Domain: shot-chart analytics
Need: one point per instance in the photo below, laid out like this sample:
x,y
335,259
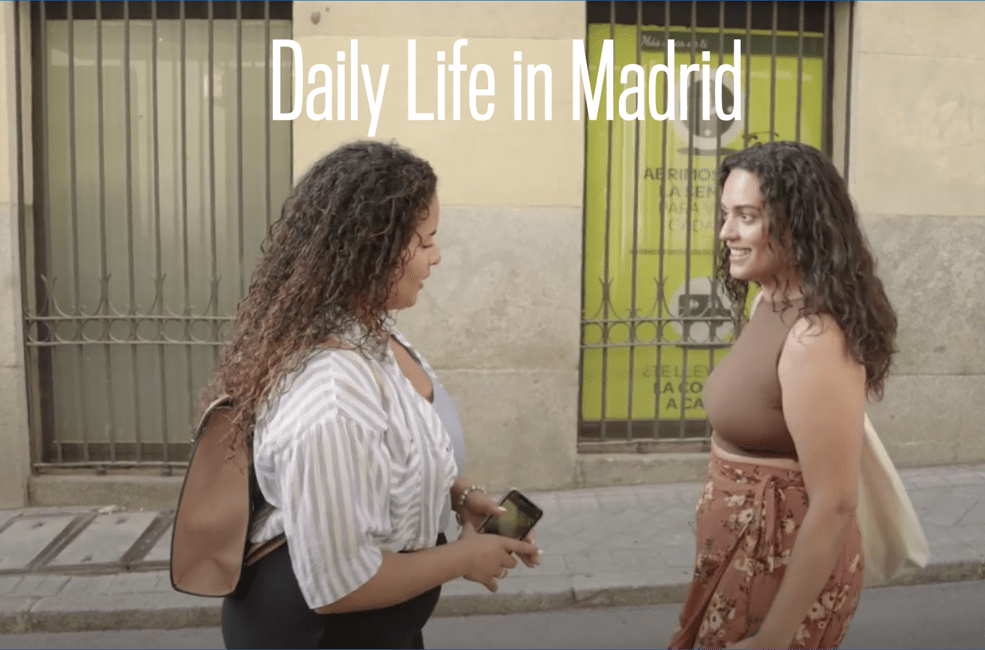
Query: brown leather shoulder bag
x,y
219,504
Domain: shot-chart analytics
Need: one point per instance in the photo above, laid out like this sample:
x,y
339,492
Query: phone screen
x,y
516,522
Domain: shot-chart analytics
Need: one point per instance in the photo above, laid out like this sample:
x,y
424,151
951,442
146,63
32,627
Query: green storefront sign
x,y
670,235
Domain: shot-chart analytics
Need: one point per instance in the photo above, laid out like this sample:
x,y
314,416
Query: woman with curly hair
x,y
779,558
354,440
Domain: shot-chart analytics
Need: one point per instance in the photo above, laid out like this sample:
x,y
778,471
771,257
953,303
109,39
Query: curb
x,y
173,618
34,615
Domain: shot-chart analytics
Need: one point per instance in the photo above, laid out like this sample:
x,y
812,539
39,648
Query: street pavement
x,y
78,569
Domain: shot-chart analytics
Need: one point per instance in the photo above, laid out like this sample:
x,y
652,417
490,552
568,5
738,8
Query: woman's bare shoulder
x,y
816,342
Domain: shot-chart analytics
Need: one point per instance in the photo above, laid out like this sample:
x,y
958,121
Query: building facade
x,y
572,318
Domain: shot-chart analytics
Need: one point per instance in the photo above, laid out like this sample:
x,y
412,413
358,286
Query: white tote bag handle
x,y
893,540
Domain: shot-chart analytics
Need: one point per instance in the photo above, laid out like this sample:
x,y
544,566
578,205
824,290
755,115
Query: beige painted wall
x,y
499,317
481,163
14,433
918,175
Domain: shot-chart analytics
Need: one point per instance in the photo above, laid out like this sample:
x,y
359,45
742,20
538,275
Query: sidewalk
x,y
74,569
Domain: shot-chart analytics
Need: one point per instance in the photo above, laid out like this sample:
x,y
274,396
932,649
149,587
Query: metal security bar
x,y
149,206
655,319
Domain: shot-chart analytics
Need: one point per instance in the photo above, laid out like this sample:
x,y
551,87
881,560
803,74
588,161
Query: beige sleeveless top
x,y
742,396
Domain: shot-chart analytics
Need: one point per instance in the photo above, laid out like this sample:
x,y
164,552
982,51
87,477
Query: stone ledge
x,y
129,491
610,470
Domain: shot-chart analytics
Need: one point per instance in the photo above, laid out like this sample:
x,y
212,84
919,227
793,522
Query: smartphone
x,y
518,520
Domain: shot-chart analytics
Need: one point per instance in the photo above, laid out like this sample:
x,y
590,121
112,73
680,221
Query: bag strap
x,y
755,303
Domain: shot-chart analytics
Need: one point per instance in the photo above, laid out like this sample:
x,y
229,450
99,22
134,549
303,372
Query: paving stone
x,y
689,500
617,502
651,560
569,545
678,513
602,560
579,564
679,538
81,585
969,493
629,518
573,523
596,534
963,535
622,541
679,556
977,532
964,478
929,481
40,585
7,515
130,602
912,472
631,579
954,553
163,581
9,583
14,613
655,529
661,500
27,536
129,583
627,560
510,585
106,539
951,509
975,515
936,533
579,501
533,584
926,498
626,494
161,551
551,565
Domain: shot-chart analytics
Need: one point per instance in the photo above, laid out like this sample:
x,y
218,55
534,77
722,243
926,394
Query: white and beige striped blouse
x,y
355,462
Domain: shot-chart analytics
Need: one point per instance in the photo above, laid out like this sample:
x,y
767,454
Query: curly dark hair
x,y
810,209
326,270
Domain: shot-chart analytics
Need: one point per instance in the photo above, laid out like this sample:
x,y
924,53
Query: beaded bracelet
x,y
465,494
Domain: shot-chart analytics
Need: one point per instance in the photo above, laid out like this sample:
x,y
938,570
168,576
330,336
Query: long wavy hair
x,y
326,271
813,225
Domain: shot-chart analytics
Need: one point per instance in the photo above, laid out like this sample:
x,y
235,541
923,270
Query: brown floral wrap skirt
x,y
747,521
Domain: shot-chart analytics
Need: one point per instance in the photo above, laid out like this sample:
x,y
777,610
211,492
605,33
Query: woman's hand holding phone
x,y
479,507
487,557
516,517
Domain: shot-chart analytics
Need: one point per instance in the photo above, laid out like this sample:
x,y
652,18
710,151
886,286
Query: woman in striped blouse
x,y
355,443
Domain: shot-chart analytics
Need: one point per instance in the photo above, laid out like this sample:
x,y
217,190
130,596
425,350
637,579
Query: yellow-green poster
x,y
650,269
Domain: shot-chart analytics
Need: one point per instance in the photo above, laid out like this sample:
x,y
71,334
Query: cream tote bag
x,y
892,537
893,541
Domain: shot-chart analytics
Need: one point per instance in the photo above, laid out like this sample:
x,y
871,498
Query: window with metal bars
x,y
655,320
156,172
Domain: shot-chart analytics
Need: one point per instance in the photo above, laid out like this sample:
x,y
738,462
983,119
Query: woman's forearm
x,y
458,488
403,576
812,559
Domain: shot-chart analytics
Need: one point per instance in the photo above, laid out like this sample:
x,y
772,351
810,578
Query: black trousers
x,y
268,610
